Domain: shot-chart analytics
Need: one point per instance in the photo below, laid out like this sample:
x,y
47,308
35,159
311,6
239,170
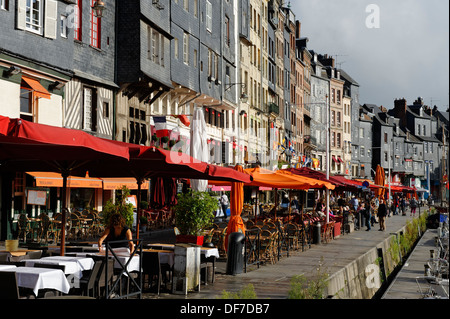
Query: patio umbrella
x,y
379,180
236,204
199,146
39,147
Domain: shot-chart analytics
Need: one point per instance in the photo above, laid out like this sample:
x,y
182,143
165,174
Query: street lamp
x,y
243,97
98,8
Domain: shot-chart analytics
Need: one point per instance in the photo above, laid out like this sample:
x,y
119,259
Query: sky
x,y
392,48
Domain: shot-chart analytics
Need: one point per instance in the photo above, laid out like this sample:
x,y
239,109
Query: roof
x,y
347,77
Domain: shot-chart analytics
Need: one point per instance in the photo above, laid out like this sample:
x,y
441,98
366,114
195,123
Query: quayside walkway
x,y
273,281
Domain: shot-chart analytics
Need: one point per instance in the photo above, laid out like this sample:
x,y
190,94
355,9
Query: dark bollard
x,y
317,231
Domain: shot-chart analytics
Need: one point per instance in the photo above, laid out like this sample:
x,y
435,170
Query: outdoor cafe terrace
x,y
58,254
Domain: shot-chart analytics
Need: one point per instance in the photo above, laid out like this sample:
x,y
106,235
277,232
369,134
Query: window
x,y
4,4
95,31
105,109
34,15
418,129
385,138
63,25
90,109
186,48
227,31
186,5
26,104
175,49
77,20
208,16
338,96
362,149
155,51
195,58
37,16
196,8
333,95
339,119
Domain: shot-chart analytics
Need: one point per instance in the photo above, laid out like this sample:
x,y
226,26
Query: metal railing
x,y
136,286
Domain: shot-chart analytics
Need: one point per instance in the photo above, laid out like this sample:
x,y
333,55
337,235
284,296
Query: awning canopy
x,y
36,87
50,179
117,183
279,180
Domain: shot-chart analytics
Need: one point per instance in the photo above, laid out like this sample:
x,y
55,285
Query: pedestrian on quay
x,y
413,205
365,211
224,202
382,212
403,206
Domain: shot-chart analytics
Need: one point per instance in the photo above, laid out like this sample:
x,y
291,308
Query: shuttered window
x,y
38,16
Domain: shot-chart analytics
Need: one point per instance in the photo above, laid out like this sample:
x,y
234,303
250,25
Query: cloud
x,y
406,57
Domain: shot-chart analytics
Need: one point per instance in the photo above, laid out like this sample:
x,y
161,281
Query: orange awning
x,y
37,88
50,179
279,179
117,183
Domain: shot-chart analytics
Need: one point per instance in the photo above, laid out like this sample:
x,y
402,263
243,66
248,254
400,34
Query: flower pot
x,y
190,239
11,244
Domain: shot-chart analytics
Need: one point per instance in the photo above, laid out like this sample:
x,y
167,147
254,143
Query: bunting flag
x,y
183,119
161,126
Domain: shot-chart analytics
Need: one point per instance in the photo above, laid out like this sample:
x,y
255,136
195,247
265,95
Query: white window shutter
x,y
21,11
50,22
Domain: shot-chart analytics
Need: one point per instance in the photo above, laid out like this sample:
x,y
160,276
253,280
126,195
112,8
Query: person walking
x,y
367,215
403,206
382,212
413,205
224,202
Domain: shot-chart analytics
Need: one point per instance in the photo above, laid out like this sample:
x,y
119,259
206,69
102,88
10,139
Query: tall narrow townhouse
x,y
292,86
276,122
351,90
203,71
298,64
36,61
143,71
309,144
90,95
277,97
252,75
320,88
336,114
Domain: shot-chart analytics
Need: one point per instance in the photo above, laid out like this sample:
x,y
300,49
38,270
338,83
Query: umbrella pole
x,y
64,174
276,204
290,206
138,222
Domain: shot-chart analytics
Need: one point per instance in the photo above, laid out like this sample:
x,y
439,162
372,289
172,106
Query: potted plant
x,y
119,206
194,213
144,223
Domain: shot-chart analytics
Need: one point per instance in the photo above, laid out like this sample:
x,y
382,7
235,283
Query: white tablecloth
x,y
71,266
209,252
6,267
41,278
85,263
122,256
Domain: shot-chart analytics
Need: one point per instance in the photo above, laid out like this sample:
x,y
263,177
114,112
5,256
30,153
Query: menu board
x,y
36,197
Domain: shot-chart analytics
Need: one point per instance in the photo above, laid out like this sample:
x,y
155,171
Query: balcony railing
x,y
274,108
308,139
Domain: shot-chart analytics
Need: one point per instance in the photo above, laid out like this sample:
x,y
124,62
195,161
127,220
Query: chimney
x,y
298,26
400,111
